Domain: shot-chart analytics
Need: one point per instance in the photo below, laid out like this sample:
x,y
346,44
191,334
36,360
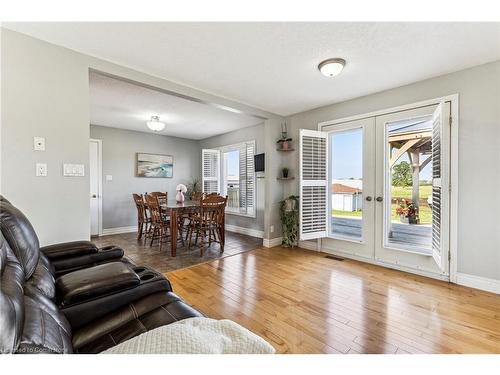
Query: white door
x,y
95,187
351,176
411,204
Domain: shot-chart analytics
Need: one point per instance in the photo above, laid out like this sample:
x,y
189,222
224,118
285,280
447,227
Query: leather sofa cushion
x,y
69,249
90,283
46,330
21,237
138,317
43,279
11,299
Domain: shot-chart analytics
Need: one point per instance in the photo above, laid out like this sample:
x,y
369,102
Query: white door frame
x,y
99,183
454,193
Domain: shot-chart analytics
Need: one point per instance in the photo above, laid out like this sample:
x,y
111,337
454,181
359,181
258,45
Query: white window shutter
x,y
210,164
250,178
313,184
242,150
439,187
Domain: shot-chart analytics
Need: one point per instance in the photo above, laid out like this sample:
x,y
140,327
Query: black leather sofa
x,y
74,297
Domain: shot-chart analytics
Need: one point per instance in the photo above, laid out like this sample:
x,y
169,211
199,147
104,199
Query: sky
x,y
346,150
233,163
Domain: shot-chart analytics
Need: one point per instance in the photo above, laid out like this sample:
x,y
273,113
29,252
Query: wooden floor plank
x,y
302,302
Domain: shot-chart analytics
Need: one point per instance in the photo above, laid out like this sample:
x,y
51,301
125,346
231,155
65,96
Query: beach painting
x,y
154,165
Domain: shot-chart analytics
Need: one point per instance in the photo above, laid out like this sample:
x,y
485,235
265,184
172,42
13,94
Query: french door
x,y
388,189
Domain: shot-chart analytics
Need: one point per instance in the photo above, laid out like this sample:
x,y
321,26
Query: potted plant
x,y
408,212
289,215
193,187
284,142
285,172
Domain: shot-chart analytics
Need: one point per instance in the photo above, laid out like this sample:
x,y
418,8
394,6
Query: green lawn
x,y
405,192
400,192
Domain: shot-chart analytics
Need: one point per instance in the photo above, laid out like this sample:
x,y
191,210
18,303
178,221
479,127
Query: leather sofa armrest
x,y
84,312
94,282
70,264
69,249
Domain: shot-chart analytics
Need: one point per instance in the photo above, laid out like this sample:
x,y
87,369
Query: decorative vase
x,y
179,197
285,145
285,173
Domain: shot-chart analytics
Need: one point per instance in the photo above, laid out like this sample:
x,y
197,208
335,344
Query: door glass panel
x,y
231,179
408,187
346,191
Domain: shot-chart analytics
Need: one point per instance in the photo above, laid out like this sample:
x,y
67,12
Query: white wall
x,y
119,148
479,153
45,93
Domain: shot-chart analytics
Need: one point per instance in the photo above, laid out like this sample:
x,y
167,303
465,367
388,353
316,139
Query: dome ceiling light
x,y
155,124
331,67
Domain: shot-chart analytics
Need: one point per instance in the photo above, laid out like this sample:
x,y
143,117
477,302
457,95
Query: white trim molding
x,y
246,231
309,245
99,183
273,242
119,230
478,282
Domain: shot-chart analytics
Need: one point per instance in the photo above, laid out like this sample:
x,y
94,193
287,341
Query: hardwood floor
x,y
302,302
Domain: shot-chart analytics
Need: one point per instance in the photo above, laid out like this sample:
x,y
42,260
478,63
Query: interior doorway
x,y
95,176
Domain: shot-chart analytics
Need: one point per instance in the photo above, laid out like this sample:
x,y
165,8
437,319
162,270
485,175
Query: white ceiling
x,y
118,104
272,66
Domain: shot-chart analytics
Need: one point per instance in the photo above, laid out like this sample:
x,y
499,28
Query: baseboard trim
x,y
118,230
388,265
246,231
309,245
478,282
272,242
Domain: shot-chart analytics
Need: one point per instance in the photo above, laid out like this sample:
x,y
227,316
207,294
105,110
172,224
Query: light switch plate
x,y
109,177
41,169
73,170
38,143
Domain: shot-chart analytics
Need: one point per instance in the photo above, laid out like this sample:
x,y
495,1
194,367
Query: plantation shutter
x,y
210,164
439,187
250,178
313,184
247,177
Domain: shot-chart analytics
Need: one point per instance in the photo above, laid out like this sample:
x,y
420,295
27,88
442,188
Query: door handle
x,y
380,199
369,198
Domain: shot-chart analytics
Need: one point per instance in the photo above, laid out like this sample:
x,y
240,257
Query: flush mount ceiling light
x,y
331,67
155,124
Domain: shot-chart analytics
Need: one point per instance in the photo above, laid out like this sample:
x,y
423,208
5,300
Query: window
x,y
229,170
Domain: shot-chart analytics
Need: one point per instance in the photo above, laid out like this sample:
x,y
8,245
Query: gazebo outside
x,y
410,151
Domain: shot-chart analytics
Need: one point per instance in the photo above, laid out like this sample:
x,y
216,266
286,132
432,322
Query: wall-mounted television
x,y
259,162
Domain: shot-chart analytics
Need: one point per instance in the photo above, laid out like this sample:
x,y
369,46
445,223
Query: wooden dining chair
x,y
189,214
162,197
209,222
159,225
197,195
143,220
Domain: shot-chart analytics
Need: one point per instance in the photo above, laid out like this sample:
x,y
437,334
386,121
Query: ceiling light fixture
x,y
331,67
155,124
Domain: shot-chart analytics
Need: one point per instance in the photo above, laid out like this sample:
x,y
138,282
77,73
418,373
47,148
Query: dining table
x,y
173,209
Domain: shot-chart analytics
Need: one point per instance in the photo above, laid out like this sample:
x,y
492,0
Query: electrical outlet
x,y
41,169
272,228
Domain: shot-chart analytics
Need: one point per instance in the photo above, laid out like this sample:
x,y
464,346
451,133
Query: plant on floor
x,y
289,215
